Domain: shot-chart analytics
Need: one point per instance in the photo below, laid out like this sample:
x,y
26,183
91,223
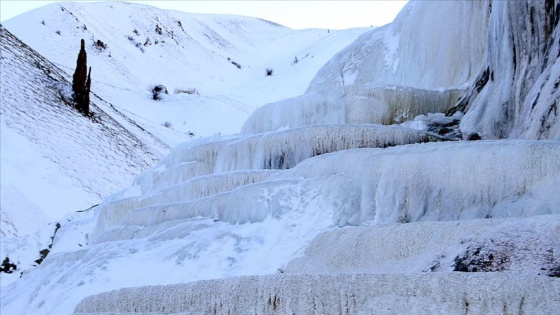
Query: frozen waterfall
x,y
430,45
517,92
355,104
407,183
323,203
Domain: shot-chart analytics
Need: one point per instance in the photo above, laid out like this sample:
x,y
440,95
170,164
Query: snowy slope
x,y
54,160
191,52
147,46
313,209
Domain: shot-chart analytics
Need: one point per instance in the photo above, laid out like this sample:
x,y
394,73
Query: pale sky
x,y
293,14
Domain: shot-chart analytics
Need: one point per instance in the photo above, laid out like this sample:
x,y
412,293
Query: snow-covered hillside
x,y
55,160
222,59
318,208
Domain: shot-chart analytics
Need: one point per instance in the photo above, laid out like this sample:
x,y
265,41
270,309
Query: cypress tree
x,y
79,84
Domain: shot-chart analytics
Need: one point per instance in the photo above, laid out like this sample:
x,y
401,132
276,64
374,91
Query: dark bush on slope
x,y
157,90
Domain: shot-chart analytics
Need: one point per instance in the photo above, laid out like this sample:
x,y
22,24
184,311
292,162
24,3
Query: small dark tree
x,y
81,81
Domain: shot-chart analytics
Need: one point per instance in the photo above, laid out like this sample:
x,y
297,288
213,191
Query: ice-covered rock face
x,y
517,91
419,49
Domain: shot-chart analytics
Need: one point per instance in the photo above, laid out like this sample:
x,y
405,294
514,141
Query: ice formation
x,y
388,75
355,104
469,206
436,181
429,45
337,294
517,92
311,185
513,184
188,160
528,245
285,149
407,183
178,188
